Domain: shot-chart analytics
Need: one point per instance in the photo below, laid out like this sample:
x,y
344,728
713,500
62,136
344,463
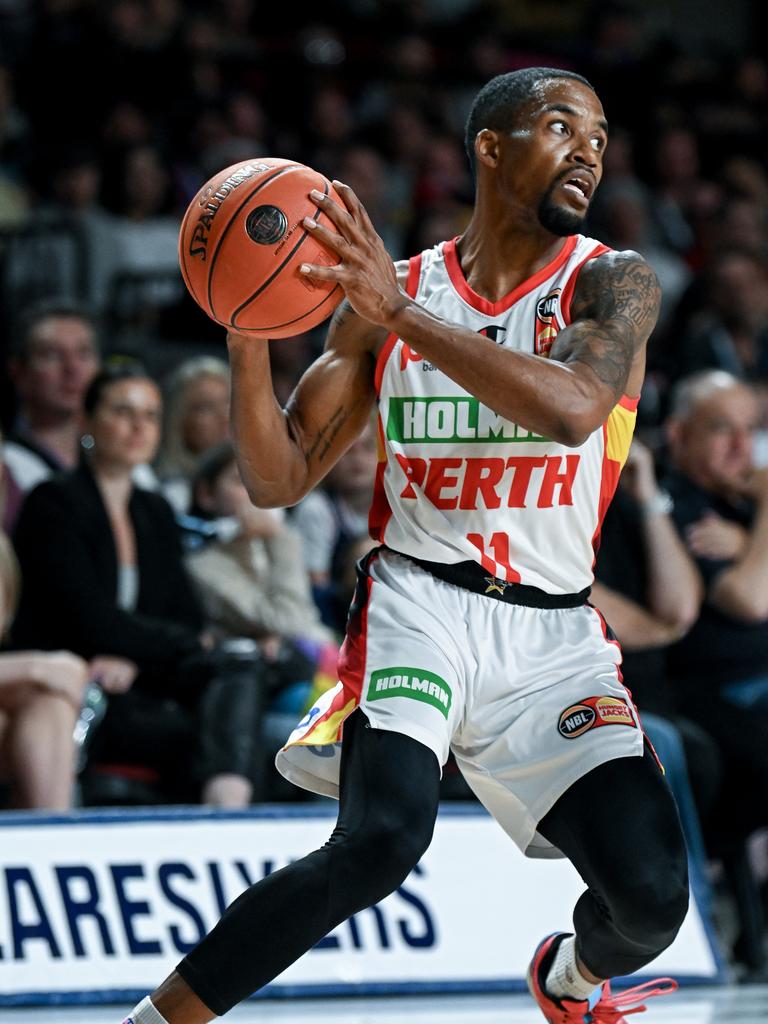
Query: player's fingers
x,y
348,197
341,218
353,204
336,242
320,273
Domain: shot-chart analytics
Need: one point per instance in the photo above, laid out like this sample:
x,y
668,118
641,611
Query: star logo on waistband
x,y
495,584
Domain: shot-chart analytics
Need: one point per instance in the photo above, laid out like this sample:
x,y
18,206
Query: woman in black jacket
x,y
104,577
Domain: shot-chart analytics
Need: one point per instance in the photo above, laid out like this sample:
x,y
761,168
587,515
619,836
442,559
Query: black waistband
x,y
472,576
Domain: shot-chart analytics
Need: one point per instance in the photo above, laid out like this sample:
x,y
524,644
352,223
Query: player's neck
x,y
495,261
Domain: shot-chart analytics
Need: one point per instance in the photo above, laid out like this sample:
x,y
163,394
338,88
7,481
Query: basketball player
x,y
507,366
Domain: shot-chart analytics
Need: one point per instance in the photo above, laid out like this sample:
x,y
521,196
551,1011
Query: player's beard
x,y
557,219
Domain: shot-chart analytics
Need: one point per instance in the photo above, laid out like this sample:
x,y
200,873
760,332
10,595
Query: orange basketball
x,y
241,244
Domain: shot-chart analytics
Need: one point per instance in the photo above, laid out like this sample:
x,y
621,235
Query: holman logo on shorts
x,y
446,420
592,713
415,683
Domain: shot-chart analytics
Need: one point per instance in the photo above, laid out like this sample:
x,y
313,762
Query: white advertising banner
x,y
102,905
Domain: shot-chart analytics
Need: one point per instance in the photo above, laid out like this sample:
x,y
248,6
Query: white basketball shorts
x,y
528,699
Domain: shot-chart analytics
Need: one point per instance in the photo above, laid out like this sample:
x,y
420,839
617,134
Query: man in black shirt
x,y
721,509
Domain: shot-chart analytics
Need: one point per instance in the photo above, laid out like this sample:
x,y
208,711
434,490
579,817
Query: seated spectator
x,y
330,517
720,504
103,574
40,698
649,590
252,582
721,665
197,418
54,359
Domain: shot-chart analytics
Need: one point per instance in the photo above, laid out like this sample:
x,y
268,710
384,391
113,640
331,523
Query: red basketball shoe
x,y
609,1009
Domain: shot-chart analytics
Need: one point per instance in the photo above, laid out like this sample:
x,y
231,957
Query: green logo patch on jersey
x,y
411,682
451,420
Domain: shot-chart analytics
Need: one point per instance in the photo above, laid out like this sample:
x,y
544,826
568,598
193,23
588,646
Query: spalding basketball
x,y
241,244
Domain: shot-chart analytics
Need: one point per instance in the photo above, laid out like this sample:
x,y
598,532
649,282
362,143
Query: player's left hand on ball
x,y
366,271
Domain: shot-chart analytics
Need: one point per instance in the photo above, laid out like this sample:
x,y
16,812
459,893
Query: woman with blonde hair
x,y
197,419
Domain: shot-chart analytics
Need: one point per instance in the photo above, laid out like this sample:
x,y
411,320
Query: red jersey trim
x,y
354,650
380,512
482,305
629,402
609,481
570,284
411,287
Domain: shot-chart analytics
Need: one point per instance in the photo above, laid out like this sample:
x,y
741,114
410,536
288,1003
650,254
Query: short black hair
x,y
46,309
116,370
498,103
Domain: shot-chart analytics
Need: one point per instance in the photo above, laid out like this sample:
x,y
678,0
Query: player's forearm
x,y
271,463
560,401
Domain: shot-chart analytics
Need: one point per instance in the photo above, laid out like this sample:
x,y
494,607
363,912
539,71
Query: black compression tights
x,y
389,793
619,827
618,824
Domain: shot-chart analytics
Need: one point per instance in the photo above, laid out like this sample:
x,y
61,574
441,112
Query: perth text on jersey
x,y
415,683
451,420
518,481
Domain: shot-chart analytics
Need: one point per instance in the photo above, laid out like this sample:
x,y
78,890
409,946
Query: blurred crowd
x,y
145,605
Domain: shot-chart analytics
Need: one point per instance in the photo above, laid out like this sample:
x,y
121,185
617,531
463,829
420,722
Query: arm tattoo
x,y
326,434
614,310
343,313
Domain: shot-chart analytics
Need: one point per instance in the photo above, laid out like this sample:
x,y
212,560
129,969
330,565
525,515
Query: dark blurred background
x,y
112,114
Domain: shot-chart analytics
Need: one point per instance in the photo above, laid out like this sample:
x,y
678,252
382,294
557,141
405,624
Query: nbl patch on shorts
x,y
593,713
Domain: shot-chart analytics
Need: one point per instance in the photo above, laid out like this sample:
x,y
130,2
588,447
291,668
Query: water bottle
x,y
92,711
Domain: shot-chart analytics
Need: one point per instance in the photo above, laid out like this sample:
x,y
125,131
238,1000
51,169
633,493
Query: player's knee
x,y
651,909
382,852
395,845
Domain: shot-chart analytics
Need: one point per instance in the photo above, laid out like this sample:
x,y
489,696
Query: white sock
x,y
145,1013
564,980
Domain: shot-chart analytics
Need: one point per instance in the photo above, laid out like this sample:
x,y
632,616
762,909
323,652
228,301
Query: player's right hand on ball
x,y
366,271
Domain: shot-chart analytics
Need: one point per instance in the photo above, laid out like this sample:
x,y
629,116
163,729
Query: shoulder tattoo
x,y
614,310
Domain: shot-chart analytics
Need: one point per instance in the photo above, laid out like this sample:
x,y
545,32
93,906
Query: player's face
x,y
553,161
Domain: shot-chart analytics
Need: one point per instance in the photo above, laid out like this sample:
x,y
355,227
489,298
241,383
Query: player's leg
x,y
389,797
619,826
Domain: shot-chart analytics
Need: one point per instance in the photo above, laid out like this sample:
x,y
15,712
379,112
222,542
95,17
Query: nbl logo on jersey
x,y
546,327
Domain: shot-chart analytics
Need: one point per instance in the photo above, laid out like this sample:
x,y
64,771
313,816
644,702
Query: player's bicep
x,y
614,309
333,400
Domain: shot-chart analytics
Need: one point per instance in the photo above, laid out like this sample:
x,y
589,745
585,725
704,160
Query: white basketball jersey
x,y
457,482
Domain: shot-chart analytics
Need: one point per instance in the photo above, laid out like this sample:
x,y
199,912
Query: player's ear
x,y
487,147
